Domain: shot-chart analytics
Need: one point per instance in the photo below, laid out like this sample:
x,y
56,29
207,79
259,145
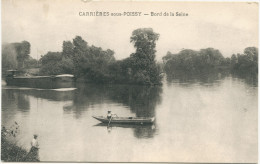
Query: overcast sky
x,y
229,27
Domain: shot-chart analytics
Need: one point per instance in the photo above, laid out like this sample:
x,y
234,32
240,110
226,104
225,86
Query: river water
x,y
196,121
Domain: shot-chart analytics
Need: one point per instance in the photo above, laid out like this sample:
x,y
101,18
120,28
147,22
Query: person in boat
x,y
109,115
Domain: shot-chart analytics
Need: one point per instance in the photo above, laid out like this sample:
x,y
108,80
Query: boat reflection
x,y
63,94
140,131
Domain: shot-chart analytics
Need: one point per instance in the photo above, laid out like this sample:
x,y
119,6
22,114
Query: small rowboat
x,y
126,120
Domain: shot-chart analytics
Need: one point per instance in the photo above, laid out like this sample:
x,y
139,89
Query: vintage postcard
x,y
129,81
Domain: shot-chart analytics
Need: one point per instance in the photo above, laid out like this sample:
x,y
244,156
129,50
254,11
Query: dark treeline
x,y
93,64
209,60
245,64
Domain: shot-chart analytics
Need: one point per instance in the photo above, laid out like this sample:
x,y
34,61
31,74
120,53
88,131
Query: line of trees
x,y
245,64
78,58
206,60
93,64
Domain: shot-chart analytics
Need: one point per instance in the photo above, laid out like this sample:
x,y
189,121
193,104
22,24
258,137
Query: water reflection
x,y
140,131
23,102
250,80
15,100
209,78
195,115
52,95
142,100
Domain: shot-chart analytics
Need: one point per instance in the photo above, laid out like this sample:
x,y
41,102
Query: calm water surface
x,y
196,121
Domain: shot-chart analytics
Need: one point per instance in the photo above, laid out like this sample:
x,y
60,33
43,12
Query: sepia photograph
x,y
129,81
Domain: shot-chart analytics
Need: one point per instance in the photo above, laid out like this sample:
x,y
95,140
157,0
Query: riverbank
x,y
11,152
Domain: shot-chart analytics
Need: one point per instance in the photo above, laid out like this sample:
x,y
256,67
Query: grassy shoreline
x,y
11,152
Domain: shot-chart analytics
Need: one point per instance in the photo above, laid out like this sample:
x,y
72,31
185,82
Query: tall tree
x,y
144,40
143,66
